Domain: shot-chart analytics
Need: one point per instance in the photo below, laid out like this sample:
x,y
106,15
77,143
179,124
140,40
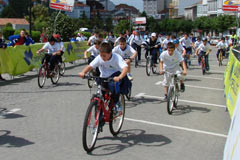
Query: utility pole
x,y
30,17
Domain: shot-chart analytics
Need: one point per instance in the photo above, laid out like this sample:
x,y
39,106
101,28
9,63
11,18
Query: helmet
x,y
153,35
176,41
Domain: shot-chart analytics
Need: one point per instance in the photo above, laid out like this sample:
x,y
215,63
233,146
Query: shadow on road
x,y
5,115
129,138
184,109
9,141
134,102
191,80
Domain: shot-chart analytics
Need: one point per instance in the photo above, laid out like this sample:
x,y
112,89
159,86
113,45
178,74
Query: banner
x,y
21,59
64,5
232,146
231,5
232,82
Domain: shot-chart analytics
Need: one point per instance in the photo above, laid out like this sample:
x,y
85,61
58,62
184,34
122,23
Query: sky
x,y
136,3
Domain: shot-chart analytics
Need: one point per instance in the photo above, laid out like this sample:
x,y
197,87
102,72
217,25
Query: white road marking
x,y
217,89
204,77
181,100
3,113
177,127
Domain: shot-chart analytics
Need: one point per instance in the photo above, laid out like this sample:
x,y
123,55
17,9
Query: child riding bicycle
x,y
54,50
110,65
169,62
222,46
204,50
126,52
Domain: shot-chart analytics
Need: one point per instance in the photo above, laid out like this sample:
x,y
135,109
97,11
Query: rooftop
x,y
4,21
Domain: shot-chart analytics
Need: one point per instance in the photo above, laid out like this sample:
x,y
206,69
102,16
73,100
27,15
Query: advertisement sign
x,y
140,20
64,5
231,5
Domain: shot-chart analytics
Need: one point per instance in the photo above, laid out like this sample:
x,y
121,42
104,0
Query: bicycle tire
x,y
56,75
136,61
170,100
220,58
62,68
128,96
203,66
90,81
42,72
148,66
114,117
154,68
92,107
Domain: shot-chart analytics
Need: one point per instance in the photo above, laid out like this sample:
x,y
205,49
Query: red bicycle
x,y
44,72
101,110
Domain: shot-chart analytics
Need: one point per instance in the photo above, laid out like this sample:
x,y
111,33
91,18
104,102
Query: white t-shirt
x,y
165,42
204,48
107,68
111,38
222,45
52,48
93,50
135,39
186,42
92,39
180,49
126,53
171,63
80,39
197,44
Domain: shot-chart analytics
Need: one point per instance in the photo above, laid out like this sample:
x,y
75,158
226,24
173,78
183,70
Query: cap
x,y
153,35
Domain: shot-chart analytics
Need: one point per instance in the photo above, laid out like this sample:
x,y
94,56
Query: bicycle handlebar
x,y
100,78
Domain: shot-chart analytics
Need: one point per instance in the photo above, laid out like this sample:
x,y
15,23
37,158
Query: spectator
x,y
43,37
80,37
111,38
21,39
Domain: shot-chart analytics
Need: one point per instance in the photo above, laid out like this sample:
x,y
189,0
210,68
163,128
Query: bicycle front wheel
x,y
117,117
55,75
90,127
148,66
170,100
62,69
203,66
42,77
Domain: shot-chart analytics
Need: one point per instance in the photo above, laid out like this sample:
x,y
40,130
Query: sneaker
x,y
182,87
165,98
129,76
118,107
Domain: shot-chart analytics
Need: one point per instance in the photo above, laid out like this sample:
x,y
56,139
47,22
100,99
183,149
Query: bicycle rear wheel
x,y
203,66
90,127
136,61
117,118
148,66
128,96
55,75
42,76
220,58
62,68
170,100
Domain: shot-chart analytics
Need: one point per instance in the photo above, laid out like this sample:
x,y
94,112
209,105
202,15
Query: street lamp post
x,y
30,17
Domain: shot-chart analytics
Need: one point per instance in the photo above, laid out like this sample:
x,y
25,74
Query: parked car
x,y
214,40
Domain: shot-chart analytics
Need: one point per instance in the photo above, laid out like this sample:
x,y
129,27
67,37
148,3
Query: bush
x,y
36,36
86,34
7,31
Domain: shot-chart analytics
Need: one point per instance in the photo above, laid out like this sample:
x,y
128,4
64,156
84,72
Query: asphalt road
x,y
46,124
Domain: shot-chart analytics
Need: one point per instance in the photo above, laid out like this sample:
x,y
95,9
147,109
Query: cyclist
x,y
204,50
179,47
222,46
117,40
187,44
110,65
127,53
92,39
54,50
94,50
197,44
155,45
135,40
165,42
169,61
58,40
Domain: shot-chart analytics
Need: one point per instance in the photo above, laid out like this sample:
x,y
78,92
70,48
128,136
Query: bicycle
x,y
150,65
203,65
61,68
173,92
101,110
44,72
128,96
220,57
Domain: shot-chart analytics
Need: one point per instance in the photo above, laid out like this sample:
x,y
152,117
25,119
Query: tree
x,y
108,24
16,9
121,27
224,22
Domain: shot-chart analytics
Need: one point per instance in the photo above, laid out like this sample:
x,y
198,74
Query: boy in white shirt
x,y
222,46
110,65
165,42
169,61
204,50
93,50
54,50
127,53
